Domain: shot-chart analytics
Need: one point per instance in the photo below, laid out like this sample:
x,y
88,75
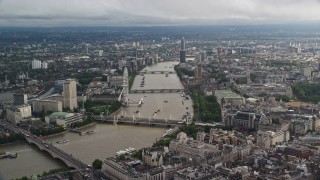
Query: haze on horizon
x,y
156,12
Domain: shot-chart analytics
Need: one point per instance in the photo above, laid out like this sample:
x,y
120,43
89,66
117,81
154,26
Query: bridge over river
x,y
55,152
157,72
140,121
156,90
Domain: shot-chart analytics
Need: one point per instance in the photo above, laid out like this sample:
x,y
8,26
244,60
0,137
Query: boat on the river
x,y
62,141
91,132
8,155
125,152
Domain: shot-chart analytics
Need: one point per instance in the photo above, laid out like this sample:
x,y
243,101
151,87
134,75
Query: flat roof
x,y
227,94
63,114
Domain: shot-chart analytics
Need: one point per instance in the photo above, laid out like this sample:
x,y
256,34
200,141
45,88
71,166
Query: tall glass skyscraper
x,y
183,51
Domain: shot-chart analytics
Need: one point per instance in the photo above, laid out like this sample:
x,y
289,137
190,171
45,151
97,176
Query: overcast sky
x,y
156,12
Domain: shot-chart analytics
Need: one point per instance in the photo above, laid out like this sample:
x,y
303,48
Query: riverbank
x,y
13,143
86,126
53,135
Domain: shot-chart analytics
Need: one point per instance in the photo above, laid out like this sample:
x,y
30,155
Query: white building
x,y
44,105
153,157
190,148
98,53
44,65
306,71
155,58
63,119
36,64
16,113
266,139
68,98
70,94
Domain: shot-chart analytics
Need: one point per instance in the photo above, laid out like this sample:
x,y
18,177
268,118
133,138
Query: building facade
x,y
64,119
131,170
43,105
152,157
245,119
266,139
20,99
70,94
183,51
191,148
16,113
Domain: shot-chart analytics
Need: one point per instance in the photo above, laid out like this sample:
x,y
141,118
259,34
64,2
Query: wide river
x,y
108,138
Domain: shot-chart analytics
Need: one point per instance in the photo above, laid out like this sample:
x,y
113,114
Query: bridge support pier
x,y
115,120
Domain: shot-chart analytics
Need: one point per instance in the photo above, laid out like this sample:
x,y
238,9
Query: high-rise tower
x,y
125,85
70,94
183,51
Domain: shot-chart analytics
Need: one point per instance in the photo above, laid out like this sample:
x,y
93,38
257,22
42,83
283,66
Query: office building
x,y
20,99
245,119
16,113
36,64
183,51
191,148
44,65
64,119
131,169
45,105
70,94
266,139
153,156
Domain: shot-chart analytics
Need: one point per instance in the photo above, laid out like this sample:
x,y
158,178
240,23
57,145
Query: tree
x,y
137,154
121,157
97,164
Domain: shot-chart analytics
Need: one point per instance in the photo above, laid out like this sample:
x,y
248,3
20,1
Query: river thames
x,y
108,138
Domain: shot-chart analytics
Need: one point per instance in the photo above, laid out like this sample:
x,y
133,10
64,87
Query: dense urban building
x,y
64,119
183,51
17,113
43,105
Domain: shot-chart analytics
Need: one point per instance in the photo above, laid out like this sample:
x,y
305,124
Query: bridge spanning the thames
x,y
156,91
157,72
55,152
117,119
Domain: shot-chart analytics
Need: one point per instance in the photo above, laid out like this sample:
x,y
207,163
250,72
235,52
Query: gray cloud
x,y
155,12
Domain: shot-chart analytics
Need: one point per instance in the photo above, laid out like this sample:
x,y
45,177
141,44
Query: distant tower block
x,y
70,94
183,51
248,76
231,79
87,49
125,85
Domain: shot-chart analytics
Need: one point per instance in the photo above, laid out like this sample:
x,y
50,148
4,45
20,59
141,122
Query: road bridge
x,y
157,72
55,152
139,121
156,90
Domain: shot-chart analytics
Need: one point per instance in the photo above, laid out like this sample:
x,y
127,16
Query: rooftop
x,y
62,114
227,94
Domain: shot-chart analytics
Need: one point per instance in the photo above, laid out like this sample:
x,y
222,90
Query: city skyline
x,y
146,12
